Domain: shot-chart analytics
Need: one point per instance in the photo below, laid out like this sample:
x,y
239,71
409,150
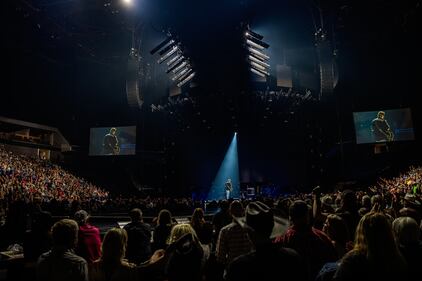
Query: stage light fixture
x,y
127,2
186,80
179,75
168,54
178,64
175,60
256,58
258,61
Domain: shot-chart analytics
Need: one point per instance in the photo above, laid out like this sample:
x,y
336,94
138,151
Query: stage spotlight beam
x,y
159,46
229,168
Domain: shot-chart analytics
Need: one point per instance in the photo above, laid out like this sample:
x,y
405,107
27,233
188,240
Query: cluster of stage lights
x,y
257,59
178,64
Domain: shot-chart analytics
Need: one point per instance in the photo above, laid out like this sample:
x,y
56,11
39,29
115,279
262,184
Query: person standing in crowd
x,y
61,263
89,240
139,238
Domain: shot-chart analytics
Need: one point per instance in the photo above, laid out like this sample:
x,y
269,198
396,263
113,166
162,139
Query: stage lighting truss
x,y
257,59
178,65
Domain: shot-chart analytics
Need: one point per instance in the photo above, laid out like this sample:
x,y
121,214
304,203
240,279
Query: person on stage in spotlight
x,y
111,143
228,187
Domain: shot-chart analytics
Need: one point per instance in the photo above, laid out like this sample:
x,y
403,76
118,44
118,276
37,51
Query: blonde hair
x,y
114,246
179,230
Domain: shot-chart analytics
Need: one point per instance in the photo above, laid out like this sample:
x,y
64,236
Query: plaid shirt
x,y
233,241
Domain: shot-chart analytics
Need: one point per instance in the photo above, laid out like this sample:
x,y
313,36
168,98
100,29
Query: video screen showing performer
x,y
383,126
381,129
113,141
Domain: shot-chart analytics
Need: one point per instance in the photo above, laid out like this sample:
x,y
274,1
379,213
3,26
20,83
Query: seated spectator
x,y
61,263
313,245
407,233
89,241
111,266
163,229
375,255
268,261
185,253
139,238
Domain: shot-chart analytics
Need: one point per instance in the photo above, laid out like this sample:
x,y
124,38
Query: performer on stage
x,y
228,187
380,128
111,143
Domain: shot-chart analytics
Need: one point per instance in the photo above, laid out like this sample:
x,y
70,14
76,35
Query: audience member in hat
x,y
313,245
233,239
89,240
268,261
375,255
407,234
139,238
61,263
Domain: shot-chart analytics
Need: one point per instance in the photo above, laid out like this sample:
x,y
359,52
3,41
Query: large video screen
x,y
383,126
112,141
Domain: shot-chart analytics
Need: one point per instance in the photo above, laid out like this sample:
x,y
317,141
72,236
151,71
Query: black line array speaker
x,y
326,67
134,96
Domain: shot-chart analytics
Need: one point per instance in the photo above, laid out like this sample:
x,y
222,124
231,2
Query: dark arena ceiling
x,y
65,65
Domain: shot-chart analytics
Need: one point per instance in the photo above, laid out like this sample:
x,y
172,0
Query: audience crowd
x,y
372,233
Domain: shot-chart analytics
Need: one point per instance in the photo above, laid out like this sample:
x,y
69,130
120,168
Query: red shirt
x,y
89,243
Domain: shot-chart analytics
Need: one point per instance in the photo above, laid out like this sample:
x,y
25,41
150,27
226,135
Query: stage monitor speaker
x,y
133,93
